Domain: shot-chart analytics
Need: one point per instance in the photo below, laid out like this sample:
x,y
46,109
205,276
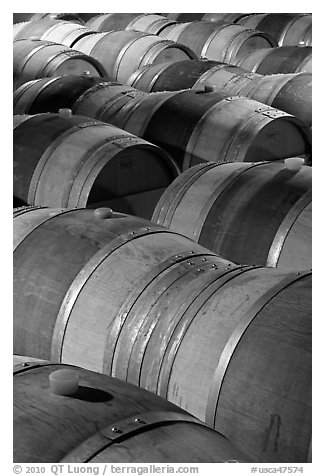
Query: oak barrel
x,y
21,17
66,33
75,161
220,42
215,17
58,16
111,21
289,29
158,26
289,92
106,420
285,59
52,94
129,21
207,203
38,59
202,126
104,100
123,52
118,295
173,76
58,31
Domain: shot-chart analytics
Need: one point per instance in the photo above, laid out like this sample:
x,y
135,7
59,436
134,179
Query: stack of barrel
x,y
162,237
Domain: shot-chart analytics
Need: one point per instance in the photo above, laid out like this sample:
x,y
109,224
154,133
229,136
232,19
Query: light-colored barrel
x,y
146,21
38,59
285,59
58,31
123,52
104,100
220,42
111,21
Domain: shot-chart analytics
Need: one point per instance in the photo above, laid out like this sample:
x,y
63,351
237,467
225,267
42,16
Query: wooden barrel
x,y
33,29
111,21
207,203
52,94
173,31
215,17
66,33
201,126
123,52
17,202
289,92
159,25
285,59
75,161
128,21
173,76
147,21
38,59
104,100
104,421
21,17
79,236
223,17
17,27
231,344
74,17
289,29
86,16
19,119
220,42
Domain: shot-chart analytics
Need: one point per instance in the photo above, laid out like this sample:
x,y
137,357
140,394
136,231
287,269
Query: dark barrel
x,y
111,21
173,76
215,17
52,94
249,213
105,420
63,160
289,29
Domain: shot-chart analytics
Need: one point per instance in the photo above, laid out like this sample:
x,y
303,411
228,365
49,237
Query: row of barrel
x,y
125,297
211,330
288,29
288,92
122,52
71,161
